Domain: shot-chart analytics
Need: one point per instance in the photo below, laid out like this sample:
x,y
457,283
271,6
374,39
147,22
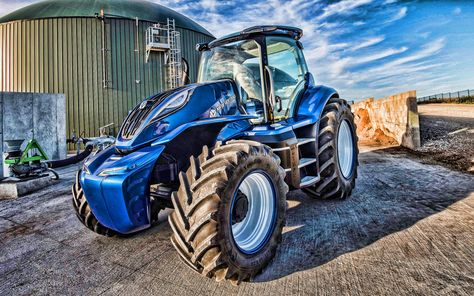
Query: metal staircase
x,y
165,38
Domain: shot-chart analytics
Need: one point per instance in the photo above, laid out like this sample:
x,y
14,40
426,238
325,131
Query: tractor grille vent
x,y
138,114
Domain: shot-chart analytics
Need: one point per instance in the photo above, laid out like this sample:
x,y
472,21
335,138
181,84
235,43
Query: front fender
x,y
120,201
231,125
313,101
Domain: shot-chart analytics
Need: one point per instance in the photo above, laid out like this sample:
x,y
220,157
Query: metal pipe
x,y
104,57
137,51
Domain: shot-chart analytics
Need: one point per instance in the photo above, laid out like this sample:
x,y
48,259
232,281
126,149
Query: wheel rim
x,y
253,232
345,149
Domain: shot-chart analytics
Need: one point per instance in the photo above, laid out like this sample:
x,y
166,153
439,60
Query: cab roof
x,y
276,30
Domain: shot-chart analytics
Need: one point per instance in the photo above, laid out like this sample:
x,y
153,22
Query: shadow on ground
x,y
390,196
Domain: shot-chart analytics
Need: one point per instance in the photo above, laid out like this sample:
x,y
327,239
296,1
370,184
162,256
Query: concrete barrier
x,y
390,120
34,115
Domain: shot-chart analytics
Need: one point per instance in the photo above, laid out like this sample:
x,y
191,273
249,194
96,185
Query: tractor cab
x,y
267,65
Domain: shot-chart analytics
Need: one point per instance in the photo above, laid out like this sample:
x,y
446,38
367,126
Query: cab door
x,y
286,64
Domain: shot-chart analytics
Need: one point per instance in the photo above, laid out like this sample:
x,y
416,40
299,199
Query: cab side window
x,y
288,69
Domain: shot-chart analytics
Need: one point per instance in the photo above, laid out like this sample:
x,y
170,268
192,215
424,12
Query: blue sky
x,y
364,48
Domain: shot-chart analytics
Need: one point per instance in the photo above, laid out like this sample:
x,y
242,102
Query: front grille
x,y
136,117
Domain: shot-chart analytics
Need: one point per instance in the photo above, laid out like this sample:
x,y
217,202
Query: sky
x,y
363,48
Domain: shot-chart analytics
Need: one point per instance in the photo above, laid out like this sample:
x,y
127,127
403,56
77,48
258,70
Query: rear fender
x,y
312,102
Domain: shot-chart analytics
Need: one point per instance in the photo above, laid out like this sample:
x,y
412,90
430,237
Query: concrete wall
x,y
390,120
34,115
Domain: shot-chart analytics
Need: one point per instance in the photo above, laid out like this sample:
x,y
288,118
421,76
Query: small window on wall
x,y
288,69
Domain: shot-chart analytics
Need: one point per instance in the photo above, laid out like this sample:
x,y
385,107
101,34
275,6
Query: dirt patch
x,y
447,135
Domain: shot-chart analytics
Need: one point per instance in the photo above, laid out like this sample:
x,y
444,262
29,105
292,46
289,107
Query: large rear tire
x,y
229,211
83,211
337,152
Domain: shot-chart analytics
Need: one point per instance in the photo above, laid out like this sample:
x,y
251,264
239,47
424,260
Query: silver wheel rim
x,y
345,149
253,231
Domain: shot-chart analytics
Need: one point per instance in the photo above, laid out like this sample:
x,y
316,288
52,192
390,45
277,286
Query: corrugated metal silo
x,y
56,46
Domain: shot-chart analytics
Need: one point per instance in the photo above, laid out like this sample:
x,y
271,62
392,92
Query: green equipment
x,y
26,163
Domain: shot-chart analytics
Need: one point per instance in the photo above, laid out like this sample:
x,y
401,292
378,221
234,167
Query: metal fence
x,y
462,96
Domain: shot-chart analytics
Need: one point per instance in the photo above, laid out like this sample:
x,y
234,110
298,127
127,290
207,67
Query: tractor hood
x,y
161,113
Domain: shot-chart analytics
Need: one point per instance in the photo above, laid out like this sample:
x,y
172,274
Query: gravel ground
x,y
408,229
447,134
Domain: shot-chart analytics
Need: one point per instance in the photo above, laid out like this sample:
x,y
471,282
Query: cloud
x,y
402,12
379,55
209,4
349,44
8,6
404,65
428,50
368,42
343,7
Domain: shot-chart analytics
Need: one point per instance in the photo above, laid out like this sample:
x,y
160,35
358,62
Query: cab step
x,y
303,162
309,180
301,141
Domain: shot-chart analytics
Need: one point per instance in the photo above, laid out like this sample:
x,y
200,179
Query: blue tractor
x,y
223,153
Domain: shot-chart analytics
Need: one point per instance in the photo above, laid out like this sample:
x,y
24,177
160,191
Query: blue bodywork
x,y
116,181
166,129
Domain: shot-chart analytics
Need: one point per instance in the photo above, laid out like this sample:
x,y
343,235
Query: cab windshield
x,y
241,62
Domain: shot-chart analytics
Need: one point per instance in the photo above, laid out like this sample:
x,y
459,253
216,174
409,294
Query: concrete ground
x,y
447,134
408,229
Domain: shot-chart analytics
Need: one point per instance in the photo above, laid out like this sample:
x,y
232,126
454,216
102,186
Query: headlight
x,y
173,103
116,171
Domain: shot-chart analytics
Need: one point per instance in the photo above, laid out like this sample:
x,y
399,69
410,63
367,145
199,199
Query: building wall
x,y
64,55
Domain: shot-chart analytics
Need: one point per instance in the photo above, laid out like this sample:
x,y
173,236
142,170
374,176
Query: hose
x,y
71,160
55,175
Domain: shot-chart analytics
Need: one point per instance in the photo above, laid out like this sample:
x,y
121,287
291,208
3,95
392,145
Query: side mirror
x,y
185,67
202,46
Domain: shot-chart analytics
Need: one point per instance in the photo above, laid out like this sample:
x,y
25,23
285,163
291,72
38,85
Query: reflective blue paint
x,y
205,100
227,121
313,101
121,201
234,130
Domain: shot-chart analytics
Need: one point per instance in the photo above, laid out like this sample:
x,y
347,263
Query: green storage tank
x,y
99,63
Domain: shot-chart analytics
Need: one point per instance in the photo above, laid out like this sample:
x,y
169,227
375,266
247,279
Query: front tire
x,y
229,211
337,152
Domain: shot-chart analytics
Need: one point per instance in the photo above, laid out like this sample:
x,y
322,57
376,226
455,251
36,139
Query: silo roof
x,y
144,10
